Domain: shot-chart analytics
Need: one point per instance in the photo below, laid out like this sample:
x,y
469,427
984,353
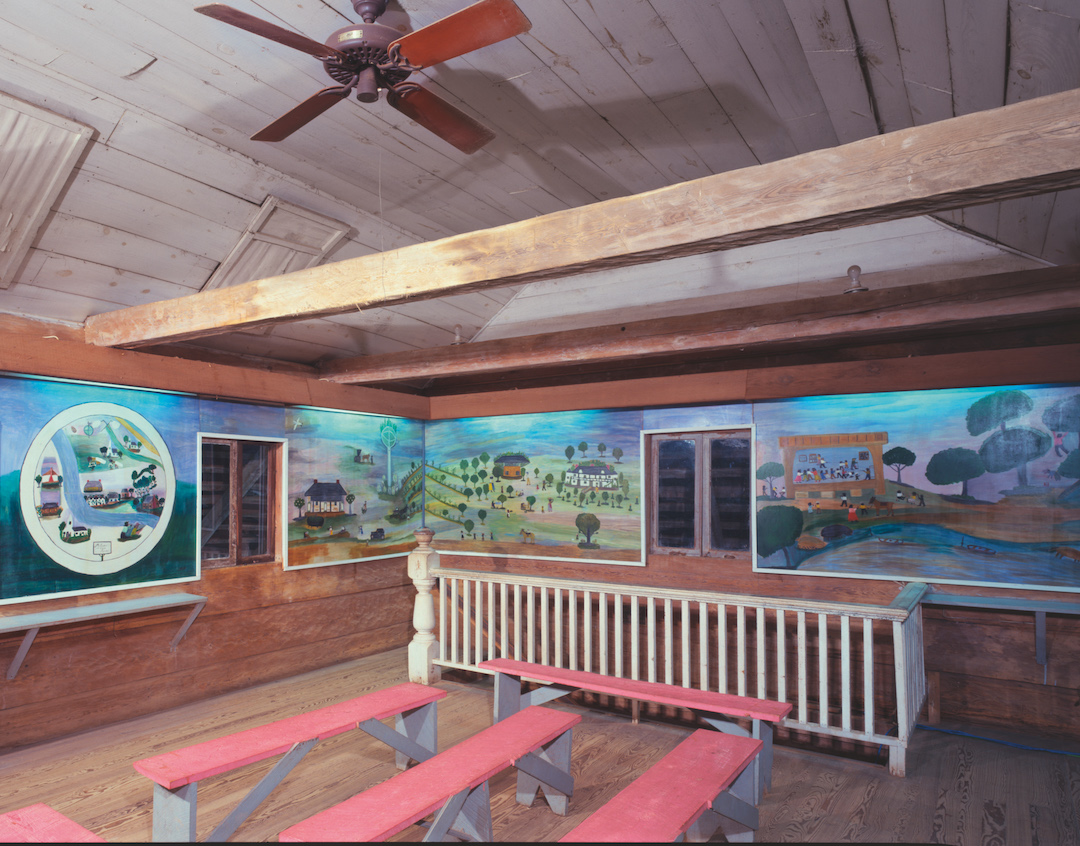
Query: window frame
x,y
703,437
276,507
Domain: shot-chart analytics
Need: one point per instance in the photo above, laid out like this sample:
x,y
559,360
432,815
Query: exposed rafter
x,y
1018,150
988,303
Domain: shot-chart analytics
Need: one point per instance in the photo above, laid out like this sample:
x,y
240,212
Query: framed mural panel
x,y
355,486
975,486
564,486
98,487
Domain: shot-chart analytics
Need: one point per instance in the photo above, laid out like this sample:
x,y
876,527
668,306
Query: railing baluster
x,y
602,655
532,625
479,625
823,670
845,672
617,626
668,656
741,648
492,620
466,621
442,619
557,598
545,629
504,621
517,622
703,645
759,616
804,681
781,657
868,675
684,621
635,633
721,648
586,612
455,656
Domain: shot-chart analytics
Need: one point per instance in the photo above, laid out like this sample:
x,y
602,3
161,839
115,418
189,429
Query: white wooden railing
x,y
827,666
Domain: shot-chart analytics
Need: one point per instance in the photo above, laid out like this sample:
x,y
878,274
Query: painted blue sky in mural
x,y
28,403
925,422
541,433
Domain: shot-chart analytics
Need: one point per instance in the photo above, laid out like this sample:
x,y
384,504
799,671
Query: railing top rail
x,y
899,611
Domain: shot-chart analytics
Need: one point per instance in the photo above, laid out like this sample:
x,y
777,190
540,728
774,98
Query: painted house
x,y
326,497
715,242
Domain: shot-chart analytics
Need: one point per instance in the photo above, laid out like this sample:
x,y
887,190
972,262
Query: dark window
x,y
701,491
240,502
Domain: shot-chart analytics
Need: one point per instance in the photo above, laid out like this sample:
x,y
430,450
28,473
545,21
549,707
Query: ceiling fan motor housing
x,y
365,49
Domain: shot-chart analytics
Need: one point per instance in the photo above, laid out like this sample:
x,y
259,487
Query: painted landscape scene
x,y
355,486
971,486
564,485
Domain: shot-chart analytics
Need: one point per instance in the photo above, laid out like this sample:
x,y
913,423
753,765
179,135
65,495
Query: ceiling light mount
x,y
856,285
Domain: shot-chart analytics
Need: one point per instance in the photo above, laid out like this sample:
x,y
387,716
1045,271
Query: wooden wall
x,y
981,664
262,623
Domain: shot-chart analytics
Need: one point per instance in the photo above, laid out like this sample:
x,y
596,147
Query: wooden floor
x,y
959,790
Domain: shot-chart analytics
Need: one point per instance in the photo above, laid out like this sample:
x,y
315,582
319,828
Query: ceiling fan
x,y
370,57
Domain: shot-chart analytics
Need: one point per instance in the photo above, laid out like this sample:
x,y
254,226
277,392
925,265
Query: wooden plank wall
x,y
262,623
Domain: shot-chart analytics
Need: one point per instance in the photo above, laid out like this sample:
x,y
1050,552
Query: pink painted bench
x,y
717,710
176,775
454,785
41,824
703,784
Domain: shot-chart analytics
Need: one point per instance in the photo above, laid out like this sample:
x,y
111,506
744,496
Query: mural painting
x,y
563,486
355,486
970,486
94,497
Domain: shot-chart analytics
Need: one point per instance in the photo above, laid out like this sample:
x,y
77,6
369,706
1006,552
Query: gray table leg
x,y
174,814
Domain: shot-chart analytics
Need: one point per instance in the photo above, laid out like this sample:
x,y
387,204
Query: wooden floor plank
x,y
959,789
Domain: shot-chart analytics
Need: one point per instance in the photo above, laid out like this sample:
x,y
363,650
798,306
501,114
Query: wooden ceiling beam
x,y
1018,150
998,301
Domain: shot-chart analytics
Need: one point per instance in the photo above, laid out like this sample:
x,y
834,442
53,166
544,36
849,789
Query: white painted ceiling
x,y
602,98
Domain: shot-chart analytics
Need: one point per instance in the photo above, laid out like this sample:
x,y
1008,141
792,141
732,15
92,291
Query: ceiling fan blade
x,y
475,26
299,115
436,115
234,17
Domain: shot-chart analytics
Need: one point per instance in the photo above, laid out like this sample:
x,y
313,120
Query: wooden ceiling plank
x,y
881,62
832,54
1002,299
1018,150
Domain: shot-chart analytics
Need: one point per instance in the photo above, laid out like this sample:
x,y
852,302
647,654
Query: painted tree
x,y
1008,448
482,514
898,458
468,493
1063,415
1013,449
768,471
954,466
461,506
601,448
617,454
588,524
778,528
350,498
996,409
582,448
569,453
469,526
531,500
484,458
298,504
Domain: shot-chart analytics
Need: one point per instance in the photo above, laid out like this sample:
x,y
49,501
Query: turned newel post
x,y
424,648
